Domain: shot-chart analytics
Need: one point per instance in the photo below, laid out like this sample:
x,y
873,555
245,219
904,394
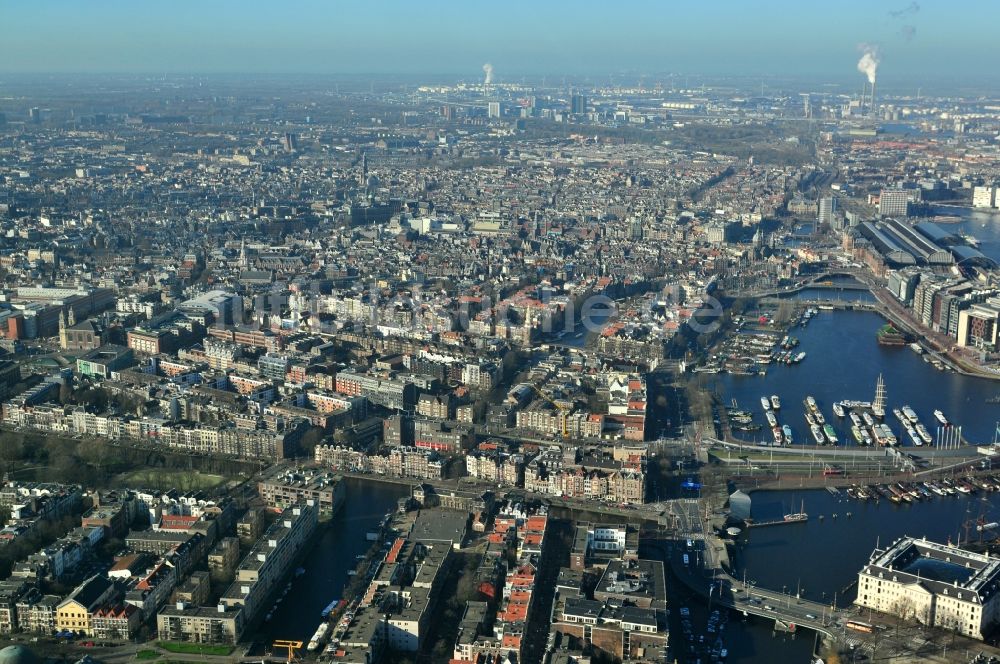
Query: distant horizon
x,y
978,85
312,37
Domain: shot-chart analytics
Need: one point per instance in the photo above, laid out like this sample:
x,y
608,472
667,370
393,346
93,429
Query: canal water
x,y
747,638
332,556
843,361
822,556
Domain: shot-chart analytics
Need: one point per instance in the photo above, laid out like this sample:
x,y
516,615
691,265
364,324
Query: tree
x,y
65,394
94,452
904,609
310,439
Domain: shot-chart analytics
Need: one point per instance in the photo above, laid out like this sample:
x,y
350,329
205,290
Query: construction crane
x,y
292,646
563,411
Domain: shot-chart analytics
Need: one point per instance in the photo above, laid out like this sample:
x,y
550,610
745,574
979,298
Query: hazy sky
x,y
518,37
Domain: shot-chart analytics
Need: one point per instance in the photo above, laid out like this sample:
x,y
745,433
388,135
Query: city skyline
x,y
565,333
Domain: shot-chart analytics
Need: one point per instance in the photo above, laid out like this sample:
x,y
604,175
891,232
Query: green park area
x,y
194,648
162,478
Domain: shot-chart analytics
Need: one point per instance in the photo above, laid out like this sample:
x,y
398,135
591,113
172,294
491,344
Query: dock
x,y
774,522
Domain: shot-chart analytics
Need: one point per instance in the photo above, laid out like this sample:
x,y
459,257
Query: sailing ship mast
x,y
878,405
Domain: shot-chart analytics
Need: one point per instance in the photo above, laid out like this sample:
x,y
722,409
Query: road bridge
x,y
704,577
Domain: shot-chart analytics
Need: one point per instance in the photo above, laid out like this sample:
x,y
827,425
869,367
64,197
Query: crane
x,y
563,411
292,646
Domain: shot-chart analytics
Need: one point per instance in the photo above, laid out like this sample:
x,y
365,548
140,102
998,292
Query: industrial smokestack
x,y
874,116
488,70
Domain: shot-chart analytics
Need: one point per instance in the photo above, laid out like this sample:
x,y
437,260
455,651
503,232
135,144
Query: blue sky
x,y
780,37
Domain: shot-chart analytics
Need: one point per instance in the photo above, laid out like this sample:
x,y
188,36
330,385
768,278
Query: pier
x,y
773,522
840,305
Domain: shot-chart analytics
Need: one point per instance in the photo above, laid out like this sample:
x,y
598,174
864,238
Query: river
x,y
327,563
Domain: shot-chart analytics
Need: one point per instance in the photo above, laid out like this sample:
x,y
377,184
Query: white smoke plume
x,y
868,64
488,70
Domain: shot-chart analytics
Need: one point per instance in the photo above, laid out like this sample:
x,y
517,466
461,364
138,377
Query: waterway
x,y
749,639
823,556
598,316
833,294
984,226
843,361
332,556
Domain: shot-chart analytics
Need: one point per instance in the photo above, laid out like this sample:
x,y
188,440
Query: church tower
x,y
63,330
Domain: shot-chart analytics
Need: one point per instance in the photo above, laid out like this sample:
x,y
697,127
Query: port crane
x,y
291,646
563,411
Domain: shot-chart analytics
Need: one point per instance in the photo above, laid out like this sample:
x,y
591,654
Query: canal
x,y
333,555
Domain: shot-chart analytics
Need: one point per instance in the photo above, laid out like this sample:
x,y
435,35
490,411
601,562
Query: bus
x,y
859,626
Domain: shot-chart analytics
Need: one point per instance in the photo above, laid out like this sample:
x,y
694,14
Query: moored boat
x,y
817,433
934,488
830,434
924,434
318,636
941,418
838,409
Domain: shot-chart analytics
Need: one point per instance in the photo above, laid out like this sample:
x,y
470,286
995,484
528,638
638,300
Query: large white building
x,y
935,584
226,308
983,197
827,210
895,202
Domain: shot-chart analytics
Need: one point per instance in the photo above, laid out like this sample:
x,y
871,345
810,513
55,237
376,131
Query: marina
x,y
960,399
845,526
